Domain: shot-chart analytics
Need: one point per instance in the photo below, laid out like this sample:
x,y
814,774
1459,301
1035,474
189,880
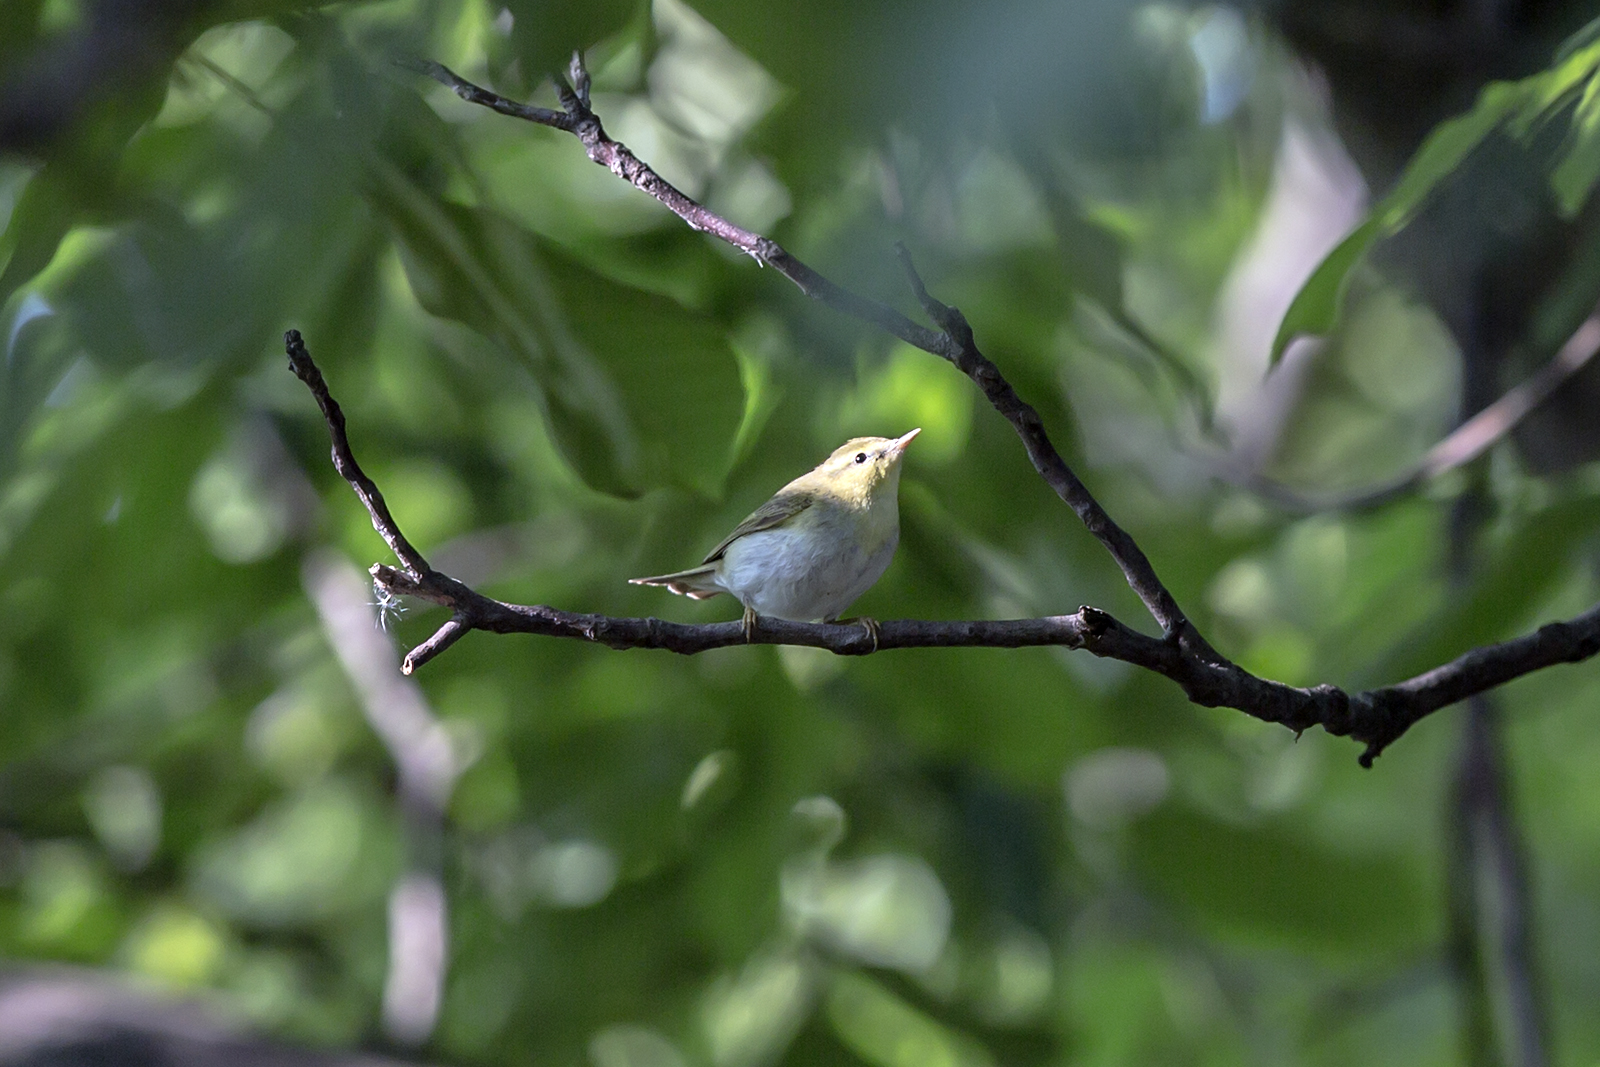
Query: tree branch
x,y
953,340
345,462
1466,442
1376,717
1490,906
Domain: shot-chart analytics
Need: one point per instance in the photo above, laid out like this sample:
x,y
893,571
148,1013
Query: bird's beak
x,y
898,446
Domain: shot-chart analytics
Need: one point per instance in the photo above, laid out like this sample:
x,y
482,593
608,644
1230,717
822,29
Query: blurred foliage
x,y
1568,92
756,855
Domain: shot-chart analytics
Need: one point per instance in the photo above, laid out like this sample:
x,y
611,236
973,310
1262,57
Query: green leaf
x,y
1316,306
1574,176
676,371
44,212
1518,107
885,1030
1589,34
1443,150
1549,90
639,391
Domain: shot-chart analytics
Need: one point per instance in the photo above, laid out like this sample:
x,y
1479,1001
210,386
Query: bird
x,y
818,544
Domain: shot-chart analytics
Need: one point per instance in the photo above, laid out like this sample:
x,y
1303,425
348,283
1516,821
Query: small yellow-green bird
x,y
820,542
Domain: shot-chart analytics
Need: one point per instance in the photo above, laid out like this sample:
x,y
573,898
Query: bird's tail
x,y
696,582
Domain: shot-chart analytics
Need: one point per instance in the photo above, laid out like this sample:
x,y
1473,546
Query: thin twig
x,y
344,460
1474,437
1047,461
1465,443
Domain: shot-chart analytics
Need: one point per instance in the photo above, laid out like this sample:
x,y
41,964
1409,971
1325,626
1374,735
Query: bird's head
x,y
861,467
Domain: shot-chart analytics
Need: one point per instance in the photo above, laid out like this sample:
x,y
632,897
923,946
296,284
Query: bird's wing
x,y
775,512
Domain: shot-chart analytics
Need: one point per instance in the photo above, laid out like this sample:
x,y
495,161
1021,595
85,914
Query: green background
x,y
997,856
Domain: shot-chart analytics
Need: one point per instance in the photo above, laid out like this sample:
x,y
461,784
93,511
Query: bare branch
x,y
442,638
580,78
482,97
1376,717
344,461
1474,437
1053,469
1466,442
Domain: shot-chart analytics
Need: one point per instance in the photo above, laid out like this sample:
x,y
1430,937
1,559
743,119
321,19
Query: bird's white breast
x,y
804,575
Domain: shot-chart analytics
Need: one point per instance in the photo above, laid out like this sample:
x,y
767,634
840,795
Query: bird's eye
x,y
861,457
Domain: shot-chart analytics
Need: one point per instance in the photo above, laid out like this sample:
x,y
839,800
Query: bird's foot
x,y
868,624
749,624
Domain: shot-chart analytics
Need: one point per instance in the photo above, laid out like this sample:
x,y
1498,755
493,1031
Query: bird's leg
x,y
749,623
